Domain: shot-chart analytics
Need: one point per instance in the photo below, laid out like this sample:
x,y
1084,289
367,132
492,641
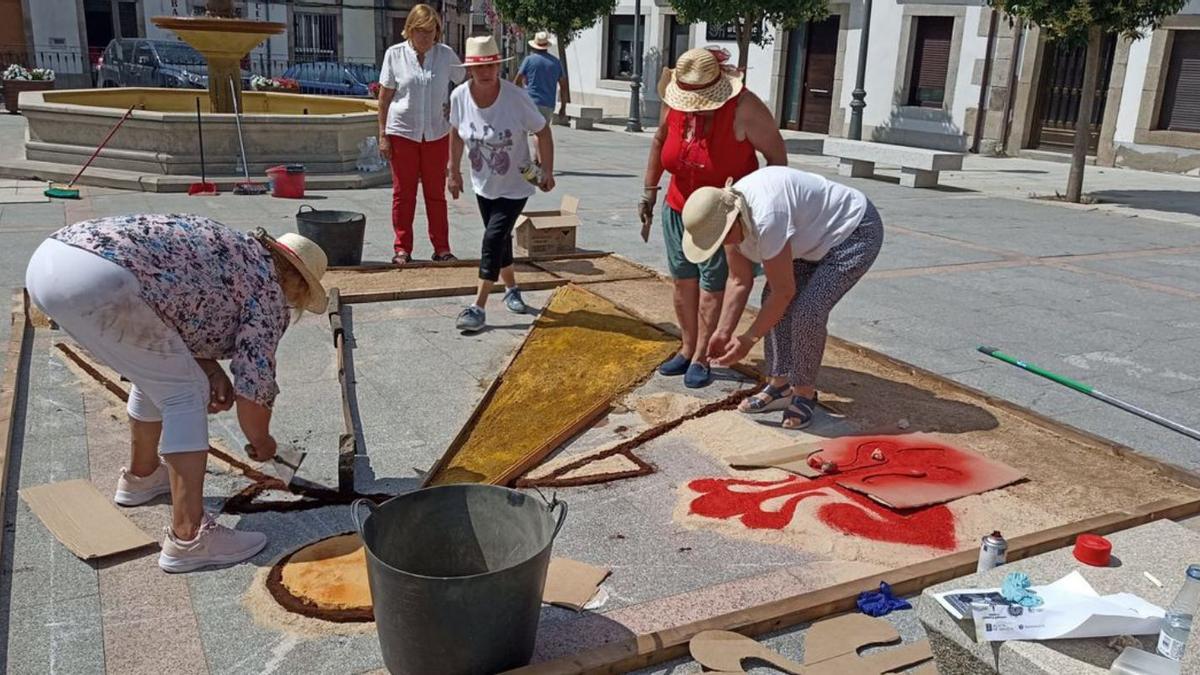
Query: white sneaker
x,y
137,490
214,544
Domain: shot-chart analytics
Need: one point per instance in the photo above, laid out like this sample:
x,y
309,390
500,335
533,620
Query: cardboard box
x,y
543,233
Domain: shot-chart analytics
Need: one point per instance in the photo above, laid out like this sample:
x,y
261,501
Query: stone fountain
x,y
224,40
157,149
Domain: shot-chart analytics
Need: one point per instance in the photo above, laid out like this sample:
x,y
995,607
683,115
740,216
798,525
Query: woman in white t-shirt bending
x,y
815,239
492,118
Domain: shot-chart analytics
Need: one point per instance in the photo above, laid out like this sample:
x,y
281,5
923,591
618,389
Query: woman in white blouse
x,y
414,106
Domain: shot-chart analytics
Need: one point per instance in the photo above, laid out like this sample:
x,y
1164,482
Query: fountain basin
x,y
321,132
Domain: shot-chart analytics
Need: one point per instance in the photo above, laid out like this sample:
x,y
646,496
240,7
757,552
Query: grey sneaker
x,y
471,320
513,301
214,544
137,490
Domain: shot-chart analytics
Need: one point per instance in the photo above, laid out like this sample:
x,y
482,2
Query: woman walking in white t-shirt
x,y
491,117
815,239
414,109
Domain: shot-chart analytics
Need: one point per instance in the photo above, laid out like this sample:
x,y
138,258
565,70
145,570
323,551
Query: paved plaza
x,y
1105,293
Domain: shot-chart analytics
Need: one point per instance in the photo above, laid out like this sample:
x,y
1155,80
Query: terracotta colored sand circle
x,y
326,579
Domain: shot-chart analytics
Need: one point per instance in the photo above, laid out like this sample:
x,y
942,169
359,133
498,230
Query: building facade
x,y
70,35
927,65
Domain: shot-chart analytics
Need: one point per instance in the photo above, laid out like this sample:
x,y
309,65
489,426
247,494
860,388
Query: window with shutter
x,y
1181,95
931,60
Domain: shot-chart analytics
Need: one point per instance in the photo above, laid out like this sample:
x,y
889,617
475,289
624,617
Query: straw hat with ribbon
x,y
708,216
540,41
701,81
482,51
308,259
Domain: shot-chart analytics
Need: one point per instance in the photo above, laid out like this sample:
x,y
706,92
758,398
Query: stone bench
x,y
584,117
919,167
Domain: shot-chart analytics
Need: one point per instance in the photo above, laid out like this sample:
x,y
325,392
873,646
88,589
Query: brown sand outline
x,y
305,607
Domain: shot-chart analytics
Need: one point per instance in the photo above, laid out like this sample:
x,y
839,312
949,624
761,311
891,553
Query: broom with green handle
x,y
1085,389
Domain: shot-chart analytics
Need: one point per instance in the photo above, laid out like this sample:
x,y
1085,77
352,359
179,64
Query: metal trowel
x,y
284,464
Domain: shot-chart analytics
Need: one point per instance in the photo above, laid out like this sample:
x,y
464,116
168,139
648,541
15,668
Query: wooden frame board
x,y
351,442
20,343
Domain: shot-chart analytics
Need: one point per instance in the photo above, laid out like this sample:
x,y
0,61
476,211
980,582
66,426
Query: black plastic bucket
x,y
456,574
338,233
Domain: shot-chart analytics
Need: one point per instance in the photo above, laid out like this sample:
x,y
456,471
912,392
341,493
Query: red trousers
x,y
424,161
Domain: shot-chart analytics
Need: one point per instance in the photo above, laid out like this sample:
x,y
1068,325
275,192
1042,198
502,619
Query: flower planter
x,y
13,89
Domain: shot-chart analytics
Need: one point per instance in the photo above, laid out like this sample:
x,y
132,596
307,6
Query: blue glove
x,y
881,602
1016,589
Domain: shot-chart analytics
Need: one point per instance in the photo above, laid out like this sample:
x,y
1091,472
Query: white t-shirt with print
x,y
419,107
495,139
792,206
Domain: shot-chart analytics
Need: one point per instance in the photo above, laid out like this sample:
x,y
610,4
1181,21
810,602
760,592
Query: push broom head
x,y
59,191
250,189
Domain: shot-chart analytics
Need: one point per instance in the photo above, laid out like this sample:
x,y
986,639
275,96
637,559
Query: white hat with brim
x,y
482,51
708,216
541,40
700,83
310,260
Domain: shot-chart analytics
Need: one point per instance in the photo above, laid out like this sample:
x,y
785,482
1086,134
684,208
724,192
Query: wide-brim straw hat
x,y
482,51
708,216
541,40
700,82
308,258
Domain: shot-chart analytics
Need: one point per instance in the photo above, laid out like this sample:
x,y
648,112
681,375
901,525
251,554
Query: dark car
x,y
138,62
338,79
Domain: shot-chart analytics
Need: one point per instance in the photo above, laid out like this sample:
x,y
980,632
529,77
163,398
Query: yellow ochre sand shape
x,y
330,574
580,354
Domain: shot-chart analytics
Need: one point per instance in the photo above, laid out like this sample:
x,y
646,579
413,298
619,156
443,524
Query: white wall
x,y
55,27
1135,80
358,35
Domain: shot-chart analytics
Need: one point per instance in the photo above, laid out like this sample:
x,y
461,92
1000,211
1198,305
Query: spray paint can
x,y
993,551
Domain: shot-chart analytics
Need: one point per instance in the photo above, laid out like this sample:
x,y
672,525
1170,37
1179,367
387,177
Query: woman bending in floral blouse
x,y
160,299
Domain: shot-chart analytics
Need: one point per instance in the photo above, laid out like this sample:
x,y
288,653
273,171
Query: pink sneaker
x,y
134,490
214,545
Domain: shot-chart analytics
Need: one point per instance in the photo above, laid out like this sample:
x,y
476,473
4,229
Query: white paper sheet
x,y
1071,609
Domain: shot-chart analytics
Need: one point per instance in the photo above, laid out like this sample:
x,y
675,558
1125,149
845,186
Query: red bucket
x,y
287,181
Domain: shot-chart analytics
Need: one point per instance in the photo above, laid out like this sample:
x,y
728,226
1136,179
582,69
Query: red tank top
x,y
699,152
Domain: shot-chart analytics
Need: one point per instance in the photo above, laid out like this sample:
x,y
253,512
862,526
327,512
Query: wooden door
x,y
820,65
1061,90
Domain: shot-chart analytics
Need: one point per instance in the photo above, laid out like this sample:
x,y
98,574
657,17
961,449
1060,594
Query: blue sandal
x,y
698,376
799,413
675,366
770,398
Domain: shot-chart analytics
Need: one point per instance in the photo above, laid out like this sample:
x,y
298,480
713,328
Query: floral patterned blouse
x,y
214,285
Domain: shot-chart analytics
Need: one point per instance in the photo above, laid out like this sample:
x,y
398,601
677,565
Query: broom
x,y
203,188
69,191
249,187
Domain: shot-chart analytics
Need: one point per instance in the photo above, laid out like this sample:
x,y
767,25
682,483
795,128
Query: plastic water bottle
x,y
1178,622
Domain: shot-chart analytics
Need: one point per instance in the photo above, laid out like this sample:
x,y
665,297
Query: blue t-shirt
x,y
542,73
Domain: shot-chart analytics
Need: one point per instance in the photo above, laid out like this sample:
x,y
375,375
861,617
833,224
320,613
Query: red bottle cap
x,y
1092,549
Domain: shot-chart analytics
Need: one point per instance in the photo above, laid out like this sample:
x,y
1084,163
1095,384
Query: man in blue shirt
x,y
540,73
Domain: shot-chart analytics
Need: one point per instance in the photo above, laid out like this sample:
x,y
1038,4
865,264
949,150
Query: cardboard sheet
x,y
572,584
85,521
901,472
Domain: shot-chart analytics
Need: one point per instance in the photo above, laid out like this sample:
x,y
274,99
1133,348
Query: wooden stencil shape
x,y
830,648
580,354
84,520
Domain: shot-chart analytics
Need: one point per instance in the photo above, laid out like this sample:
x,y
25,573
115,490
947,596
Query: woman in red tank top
x,y
711,132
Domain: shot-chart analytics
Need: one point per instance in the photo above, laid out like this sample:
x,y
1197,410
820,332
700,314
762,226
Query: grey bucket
x,y
456,575
338,233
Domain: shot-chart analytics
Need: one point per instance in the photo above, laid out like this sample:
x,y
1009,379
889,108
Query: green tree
x,y
747,17
1089,21
564,18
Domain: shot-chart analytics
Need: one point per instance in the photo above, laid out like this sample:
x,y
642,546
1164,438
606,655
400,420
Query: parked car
x,y
338,79
139,62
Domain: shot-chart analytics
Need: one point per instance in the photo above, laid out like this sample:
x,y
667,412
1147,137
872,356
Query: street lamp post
x,y
859,94
634,123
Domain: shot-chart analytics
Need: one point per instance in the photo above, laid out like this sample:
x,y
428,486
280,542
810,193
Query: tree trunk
x,y
1083,123
743,41
562,58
